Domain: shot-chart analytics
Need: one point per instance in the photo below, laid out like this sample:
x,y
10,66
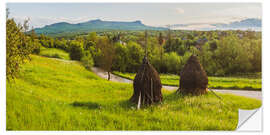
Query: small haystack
x,y
147,85
193,78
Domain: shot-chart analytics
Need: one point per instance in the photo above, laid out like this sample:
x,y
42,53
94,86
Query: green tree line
x,y
220,52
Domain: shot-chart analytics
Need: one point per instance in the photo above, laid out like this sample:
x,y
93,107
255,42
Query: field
x,y
62,95
251,82
54,53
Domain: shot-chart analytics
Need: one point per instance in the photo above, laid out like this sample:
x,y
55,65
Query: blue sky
x,y
154,14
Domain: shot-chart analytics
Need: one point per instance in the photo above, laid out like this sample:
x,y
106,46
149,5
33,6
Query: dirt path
x,y
246,93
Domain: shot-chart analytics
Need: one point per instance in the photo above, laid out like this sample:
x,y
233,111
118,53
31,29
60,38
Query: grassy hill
x,y
53,94
54,53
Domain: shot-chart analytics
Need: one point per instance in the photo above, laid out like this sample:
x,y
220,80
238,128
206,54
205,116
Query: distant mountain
x,y
93,25
246,24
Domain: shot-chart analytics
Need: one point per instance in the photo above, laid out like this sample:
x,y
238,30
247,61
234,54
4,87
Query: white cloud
x,y
42,21
180,10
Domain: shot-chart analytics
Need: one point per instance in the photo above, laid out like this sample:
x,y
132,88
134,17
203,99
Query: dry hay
x,y
193,78
147,85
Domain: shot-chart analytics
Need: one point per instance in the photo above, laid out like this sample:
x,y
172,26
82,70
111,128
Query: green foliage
x,y
62,95
107,51
220,52
61,44
87,60
76,50
172,62
37,46
135,55
121,58
231,56
18,48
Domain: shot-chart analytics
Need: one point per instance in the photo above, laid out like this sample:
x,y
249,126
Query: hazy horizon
x,y
152,14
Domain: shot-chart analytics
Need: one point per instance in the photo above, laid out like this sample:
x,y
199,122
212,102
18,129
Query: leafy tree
x,y
256,55
135,55
87,60
106,47
76,50
173,62
120,61
17,47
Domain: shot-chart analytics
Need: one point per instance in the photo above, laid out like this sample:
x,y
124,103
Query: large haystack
x,y
193,78
147,85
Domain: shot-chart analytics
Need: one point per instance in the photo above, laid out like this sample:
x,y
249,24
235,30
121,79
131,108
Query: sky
x,y
153,14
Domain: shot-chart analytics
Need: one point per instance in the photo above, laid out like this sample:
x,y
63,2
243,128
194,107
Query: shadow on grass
x,y
126,104
88,105
173,96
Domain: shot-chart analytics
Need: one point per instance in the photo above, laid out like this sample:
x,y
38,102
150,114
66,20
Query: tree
x,y
231,56
107,54
18,47
35,42
87,60
120,61
135,55
173,62
160,41
76,50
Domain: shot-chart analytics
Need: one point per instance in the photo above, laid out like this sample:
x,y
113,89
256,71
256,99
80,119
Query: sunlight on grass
x,y
214,82
54,53
59,95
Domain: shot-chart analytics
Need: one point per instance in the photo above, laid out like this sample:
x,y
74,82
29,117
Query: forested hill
x,y
93,25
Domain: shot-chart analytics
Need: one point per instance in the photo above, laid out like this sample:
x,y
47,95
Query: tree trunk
x,y
109,75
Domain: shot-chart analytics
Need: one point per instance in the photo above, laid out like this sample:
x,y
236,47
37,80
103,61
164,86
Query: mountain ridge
x,y
245,24
93,25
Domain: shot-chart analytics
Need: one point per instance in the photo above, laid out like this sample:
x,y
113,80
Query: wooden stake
x,y
152,94
139,102
146,43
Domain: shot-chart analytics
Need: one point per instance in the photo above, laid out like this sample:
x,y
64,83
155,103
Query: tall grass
x,y
60,95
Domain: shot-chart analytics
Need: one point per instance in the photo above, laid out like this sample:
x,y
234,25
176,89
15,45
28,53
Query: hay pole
x,y
223,101
139,102
215,94
152,93
146,54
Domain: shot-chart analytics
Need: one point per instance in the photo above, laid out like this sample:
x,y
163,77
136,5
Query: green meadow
x,y
52,94
253,82
54,53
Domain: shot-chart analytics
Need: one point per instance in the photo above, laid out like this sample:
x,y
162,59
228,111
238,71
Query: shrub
x,y
172,62
121,58
87,60
37,47
76,50
135,53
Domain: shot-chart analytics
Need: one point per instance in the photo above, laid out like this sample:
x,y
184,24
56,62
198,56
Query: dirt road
x,y
247,93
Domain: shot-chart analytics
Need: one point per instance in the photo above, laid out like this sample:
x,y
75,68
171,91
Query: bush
x,y
37,47
87,60
121,58
135,55
76,50
172,62
232,56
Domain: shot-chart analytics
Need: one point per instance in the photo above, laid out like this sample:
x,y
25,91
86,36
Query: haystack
x,y
193,78
147,85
